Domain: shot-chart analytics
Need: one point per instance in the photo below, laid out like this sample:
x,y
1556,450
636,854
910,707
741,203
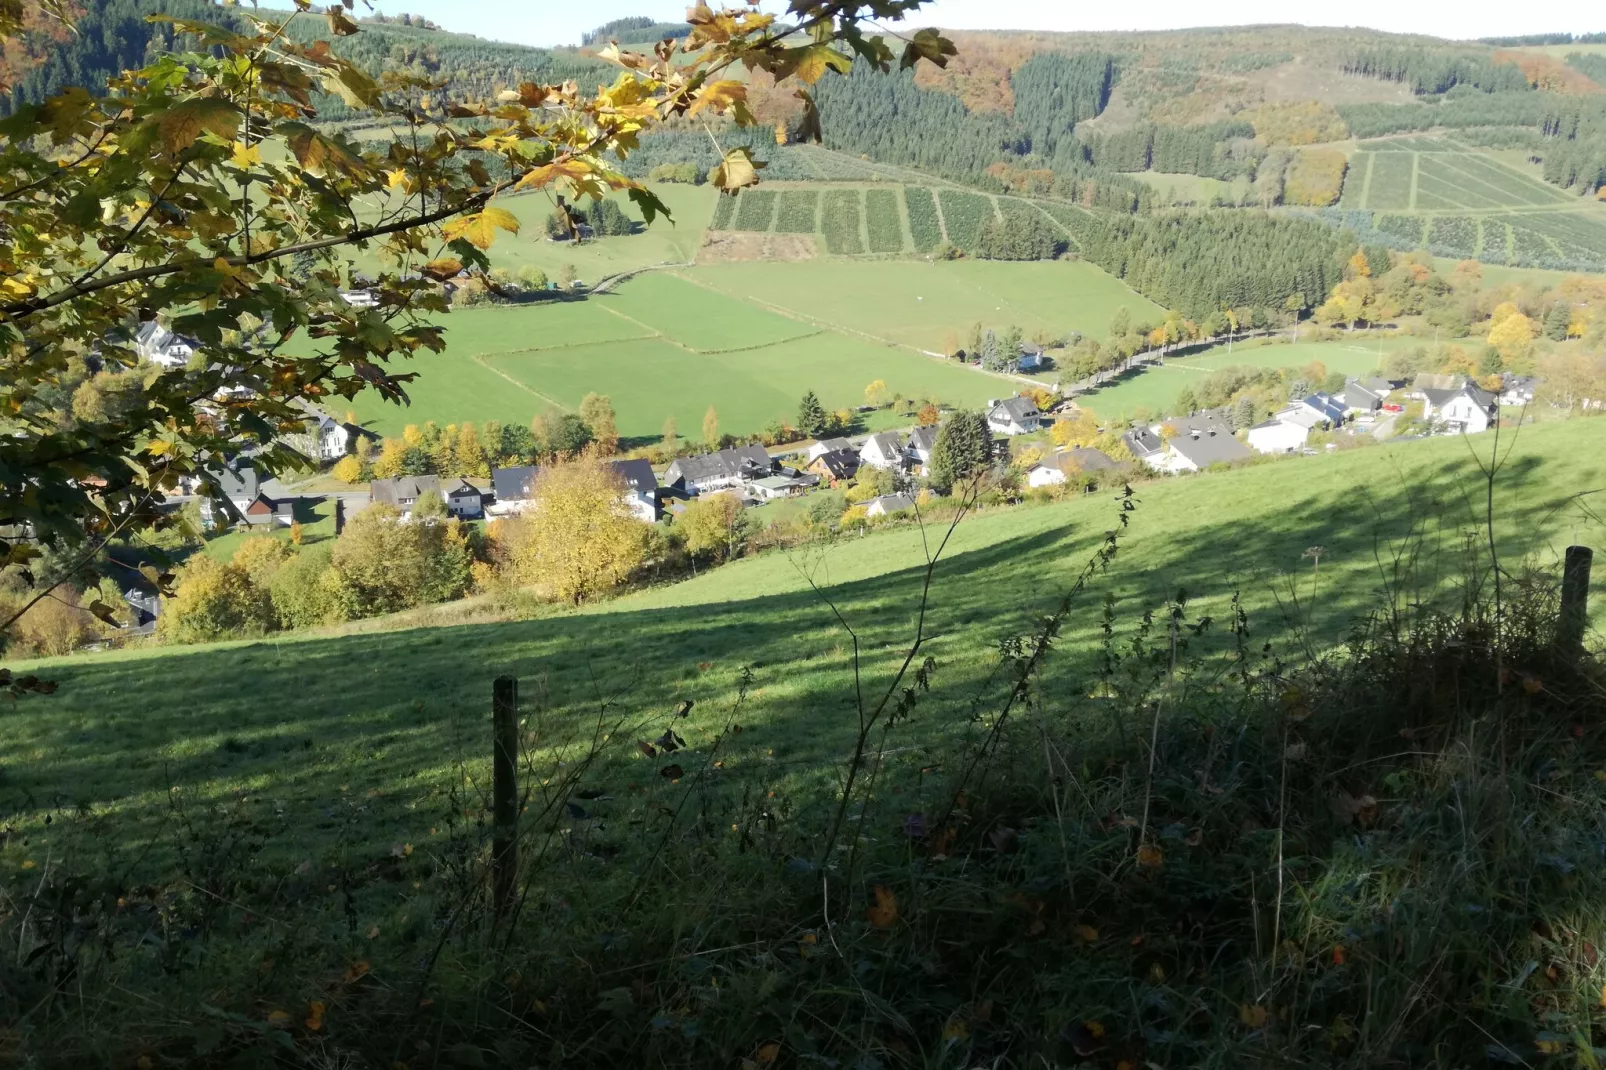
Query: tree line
x,y
1434,70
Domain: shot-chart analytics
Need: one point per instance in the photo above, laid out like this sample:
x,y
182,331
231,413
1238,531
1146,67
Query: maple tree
x,y
200,188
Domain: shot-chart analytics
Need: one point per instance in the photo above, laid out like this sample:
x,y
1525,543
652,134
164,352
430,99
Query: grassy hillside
x,y
377,720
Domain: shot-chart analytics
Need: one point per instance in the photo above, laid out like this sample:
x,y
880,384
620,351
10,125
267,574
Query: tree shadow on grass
x,y
312,723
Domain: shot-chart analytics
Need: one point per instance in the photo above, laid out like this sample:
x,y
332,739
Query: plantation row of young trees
x,y
1435,70
1224,150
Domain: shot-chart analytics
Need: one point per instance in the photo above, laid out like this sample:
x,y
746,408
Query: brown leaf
x,y
672,772
1253,1015
1150,856
883,913
339,24
767,1053
314,1019
647,748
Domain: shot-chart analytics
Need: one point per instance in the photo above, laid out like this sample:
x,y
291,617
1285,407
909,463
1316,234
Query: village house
x,y
237,483
1031,357
836,466
403,492
922,440
1014,416
1327,409
156,344
787,484
1289,430
883,451
888,504
719,470
1518,390
824,446
1468,409
322,438
465,501
1199,441
1361,398
1067,464
511,488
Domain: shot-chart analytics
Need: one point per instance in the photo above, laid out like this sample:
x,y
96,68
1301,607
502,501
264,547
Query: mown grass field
x,y
932,306
343,742
748,339
1154,388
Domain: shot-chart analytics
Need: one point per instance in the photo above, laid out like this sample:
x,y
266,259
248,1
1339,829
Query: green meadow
x,y
1154,388
343,742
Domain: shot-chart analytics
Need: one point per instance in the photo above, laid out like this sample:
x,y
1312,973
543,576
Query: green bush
x,y
797,211
839,220
882,221
925,229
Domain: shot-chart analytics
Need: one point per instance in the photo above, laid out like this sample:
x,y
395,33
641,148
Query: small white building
x,y
823,446
465,501
158,345
1278,436
360,298
888,504
883,451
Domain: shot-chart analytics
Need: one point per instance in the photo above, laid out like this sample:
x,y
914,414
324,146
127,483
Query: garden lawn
x,y
317,524
932,305
1155,388
342,743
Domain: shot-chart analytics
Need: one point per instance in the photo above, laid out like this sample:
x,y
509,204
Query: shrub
x,y
1316,178
214,601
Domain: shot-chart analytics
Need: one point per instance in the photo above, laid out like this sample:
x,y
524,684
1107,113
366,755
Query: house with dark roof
x,y
238,484
1289,430
1194,443
883,451
1195,451
1517,389
1144,444
1358,397
824,446
1031,357
1468,410
511,488
836,466
1014,416
1065,465
158,345
266,512
922,440
403,492
719,470
465,501
1325,407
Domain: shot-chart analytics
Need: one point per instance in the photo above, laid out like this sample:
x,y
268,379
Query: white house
x,y
360,298
1518,390
465,501
888,504
1064,464
922,440
511,488
239,485
824,446
323,438
1469,410
1014,416
1278,436
882,451
782,486
158,345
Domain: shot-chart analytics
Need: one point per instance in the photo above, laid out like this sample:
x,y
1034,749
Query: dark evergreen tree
x,y
1557,320
964,447
812,418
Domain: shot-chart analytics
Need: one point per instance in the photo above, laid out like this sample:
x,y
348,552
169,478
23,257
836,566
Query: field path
x,y
1416,175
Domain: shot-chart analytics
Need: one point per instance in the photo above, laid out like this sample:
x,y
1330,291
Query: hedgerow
x,y
925,229
881,221
839,222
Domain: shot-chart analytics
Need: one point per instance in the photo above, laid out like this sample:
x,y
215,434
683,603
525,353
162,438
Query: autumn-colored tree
x,y
1079,428
214,601
1359,267
392,459
597,412
260,557
1042,397
712,526
202,185
711,429
1512,334
928,416
877,395
412,435
56,626
470,454
580,538
297,535
348,470
671,439
381,564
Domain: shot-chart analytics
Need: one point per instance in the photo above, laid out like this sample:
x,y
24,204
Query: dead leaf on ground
x,y
1253,1015
1150,856
883,913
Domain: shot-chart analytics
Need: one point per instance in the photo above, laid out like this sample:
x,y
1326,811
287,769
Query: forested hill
x,y
113,35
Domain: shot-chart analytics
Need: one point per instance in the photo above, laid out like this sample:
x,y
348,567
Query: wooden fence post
x,y
505,788
1574,601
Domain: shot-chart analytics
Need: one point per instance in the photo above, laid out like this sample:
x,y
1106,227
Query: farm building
x,y
888,504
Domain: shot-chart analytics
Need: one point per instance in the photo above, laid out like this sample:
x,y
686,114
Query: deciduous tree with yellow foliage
x,y
579,539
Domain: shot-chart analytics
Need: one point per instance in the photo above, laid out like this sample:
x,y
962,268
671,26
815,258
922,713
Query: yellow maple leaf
x,y
246,156
1150,856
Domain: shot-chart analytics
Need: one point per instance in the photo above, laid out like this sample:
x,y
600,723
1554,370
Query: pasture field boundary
x,y
660,336
1416,179
480,360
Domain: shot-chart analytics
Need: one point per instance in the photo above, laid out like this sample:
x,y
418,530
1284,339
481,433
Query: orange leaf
x,y
1338,959
767,1052
884,914
1150,857
1254,1016
314,1019
279,1019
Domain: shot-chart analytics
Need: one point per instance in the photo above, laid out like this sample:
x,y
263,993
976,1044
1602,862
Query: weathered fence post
x,y
1574,600
505,788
